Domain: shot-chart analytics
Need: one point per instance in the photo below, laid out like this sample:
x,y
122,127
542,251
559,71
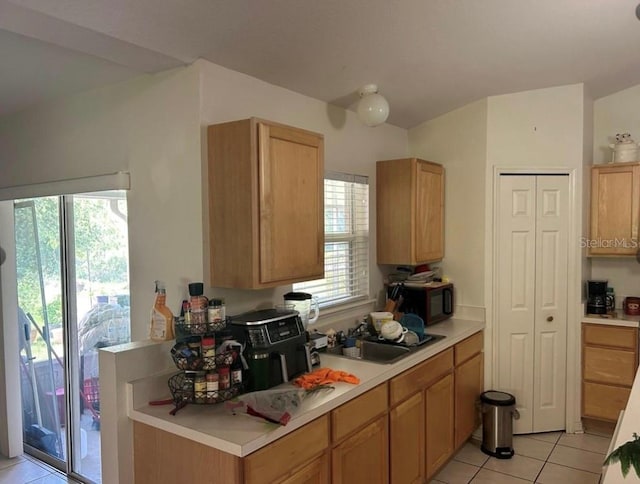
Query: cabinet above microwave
x,y
410,211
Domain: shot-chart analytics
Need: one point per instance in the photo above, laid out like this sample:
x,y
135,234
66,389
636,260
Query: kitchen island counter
x,y
239,434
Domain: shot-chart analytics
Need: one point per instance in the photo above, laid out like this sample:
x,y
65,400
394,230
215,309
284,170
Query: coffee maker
x,y
276,346
597,297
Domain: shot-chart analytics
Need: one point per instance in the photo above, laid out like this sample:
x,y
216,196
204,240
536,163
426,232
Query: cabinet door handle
x,y
549,318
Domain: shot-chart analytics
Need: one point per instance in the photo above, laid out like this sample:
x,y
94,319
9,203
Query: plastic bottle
x,y
161,317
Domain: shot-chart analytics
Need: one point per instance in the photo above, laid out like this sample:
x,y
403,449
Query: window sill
x,y
344,314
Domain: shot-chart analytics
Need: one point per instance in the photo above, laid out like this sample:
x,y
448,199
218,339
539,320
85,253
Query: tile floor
x,y
25,469
550,458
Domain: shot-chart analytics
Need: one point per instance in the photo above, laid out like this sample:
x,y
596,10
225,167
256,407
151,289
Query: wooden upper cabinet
x,y
410,211
615,209
266,204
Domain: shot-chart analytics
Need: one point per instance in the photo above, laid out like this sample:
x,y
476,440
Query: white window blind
x,y
346,245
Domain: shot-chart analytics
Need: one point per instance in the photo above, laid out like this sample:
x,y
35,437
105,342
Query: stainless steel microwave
x,y
433,302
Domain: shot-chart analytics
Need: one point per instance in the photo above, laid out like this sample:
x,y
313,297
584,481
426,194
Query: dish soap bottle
x,y
161,316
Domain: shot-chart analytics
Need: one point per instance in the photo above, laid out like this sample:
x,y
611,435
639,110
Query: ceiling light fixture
x,y
373,108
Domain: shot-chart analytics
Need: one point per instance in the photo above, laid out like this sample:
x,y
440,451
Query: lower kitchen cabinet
x,y
316,472
363,457
403,431
439,412
433,410
609,364
469,379
406,440
162,457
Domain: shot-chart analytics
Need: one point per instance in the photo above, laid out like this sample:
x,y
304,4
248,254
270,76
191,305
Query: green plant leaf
x,y
628,454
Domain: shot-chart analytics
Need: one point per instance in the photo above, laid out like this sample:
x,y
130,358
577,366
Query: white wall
x,y
149,127
617,113
537,128
542,130
458,141
349,147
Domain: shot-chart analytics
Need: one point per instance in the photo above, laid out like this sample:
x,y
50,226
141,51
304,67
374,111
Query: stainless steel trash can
x,y
498,412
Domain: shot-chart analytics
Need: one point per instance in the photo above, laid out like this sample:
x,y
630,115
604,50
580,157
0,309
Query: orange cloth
x,y
324,376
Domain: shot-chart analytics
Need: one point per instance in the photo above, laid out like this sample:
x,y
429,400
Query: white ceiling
x,y
427,56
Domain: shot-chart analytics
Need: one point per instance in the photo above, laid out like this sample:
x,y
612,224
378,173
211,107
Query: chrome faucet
x,y
361,330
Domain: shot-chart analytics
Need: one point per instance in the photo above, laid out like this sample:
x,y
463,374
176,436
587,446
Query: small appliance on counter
x,y
432,301
276,346
597,297
305,304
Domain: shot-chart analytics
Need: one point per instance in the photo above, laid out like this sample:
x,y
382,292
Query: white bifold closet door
x,y
532,297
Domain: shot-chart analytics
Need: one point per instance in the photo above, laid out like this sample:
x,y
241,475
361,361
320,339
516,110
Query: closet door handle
x,y
549,318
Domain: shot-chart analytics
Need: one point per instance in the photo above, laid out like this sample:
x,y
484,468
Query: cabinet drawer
x,y
468,347
268,463
609,366
616,336
348,417
421,376
603,402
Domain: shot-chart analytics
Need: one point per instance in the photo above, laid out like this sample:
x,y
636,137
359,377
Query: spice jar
x,y
224,378
200,387
198,304
217,311
212,387
209,352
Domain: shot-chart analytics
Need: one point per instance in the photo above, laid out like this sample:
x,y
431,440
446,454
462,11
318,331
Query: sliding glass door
x,y
73,297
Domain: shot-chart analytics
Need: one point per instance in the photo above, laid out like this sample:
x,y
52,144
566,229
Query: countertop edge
x,y
455,330
627,323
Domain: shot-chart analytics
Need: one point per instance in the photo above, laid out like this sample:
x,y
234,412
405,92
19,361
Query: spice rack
x,y
205,376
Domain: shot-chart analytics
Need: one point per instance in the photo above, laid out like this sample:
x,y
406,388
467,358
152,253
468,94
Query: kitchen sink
x,y
384,353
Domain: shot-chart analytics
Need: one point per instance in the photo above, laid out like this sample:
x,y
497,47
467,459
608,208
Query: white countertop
x,y
620,320
629,424
240,435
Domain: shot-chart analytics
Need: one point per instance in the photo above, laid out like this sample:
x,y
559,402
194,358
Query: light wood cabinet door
x,y
352,415
469,380
603,402
161,456
364,456
266,204
615,209
280,457
609,365
406,441
439,415
613,336
316,472
429,221
409,211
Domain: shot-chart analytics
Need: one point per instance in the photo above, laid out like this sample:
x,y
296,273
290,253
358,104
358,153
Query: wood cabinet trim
x,y
420,376
610,336
468,348
356,413
292,450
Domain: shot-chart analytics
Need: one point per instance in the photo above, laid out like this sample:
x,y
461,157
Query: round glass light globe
x,y
373,109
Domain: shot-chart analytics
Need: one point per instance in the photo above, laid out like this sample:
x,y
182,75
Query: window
x,y
346,245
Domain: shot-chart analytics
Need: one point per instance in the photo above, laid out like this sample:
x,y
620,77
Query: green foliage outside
x,y
101,257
